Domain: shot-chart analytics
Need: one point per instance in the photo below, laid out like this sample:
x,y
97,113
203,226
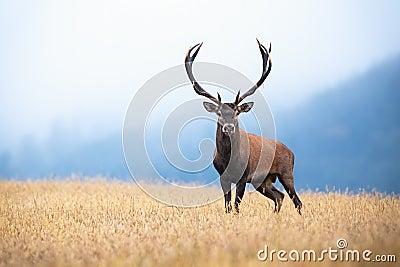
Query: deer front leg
x,y
240,187
226,188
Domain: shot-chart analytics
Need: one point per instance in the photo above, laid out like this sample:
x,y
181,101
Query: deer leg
x,y
226,188
287,182
280,197
267,192
240,188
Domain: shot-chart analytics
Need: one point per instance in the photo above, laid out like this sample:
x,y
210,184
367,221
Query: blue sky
x,y
75,65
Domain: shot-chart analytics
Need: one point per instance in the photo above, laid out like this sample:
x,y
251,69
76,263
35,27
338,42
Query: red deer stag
x,y
241,157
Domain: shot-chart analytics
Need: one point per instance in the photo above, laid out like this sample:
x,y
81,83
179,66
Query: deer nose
x,y
228,128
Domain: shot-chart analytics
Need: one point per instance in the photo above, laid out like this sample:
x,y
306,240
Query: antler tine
x,y
267,60
237,98
188,65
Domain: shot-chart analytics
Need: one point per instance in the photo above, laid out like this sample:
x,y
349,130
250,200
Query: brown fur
x,y
266,160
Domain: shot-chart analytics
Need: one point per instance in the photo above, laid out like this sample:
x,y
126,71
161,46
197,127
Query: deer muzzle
x,y
228,128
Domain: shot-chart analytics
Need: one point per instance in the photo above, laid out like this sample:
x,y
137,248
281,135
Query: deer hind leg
x,y
269,191
287,182
279,196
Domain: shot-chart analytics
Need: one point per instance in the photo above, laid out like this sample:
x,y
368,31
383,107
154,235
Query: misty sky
x,y
75,65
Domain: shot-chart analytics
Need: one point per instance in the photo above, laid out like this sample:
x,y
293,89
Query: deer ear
x,y
210,107
245,107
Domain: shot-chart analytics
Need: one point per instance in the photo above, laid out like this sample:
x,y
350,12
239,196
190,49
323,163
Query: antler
x,y
266,59
196,86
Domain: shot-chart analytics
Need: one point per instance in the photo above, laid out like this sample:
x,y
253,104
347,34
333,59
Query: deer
x,y
242,157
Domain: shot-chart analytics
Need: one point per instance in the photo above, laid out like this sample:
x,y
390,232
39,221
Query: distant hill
x,y
64,155
349,136
345,137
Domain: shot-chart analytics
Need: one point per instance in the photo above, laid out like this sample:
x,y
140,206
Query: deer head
x,y
228,112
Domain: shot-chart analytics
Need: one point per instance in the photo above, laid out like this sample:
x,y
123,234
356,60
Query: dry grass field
x,y
100,223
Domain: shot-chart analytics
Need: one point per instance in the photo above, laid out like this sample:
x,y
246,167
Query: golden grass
x,y
99,223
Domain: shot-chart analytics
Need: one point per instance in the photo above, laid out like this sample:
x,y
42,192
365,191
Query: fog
x,y
69,69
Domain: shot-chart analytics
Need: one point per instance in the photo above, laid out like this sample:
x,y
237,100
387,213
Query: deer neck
x,y
226,145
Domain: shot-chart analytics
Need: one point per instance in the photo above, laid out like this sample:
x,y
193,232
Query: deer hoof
x,y
228,209
299,210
